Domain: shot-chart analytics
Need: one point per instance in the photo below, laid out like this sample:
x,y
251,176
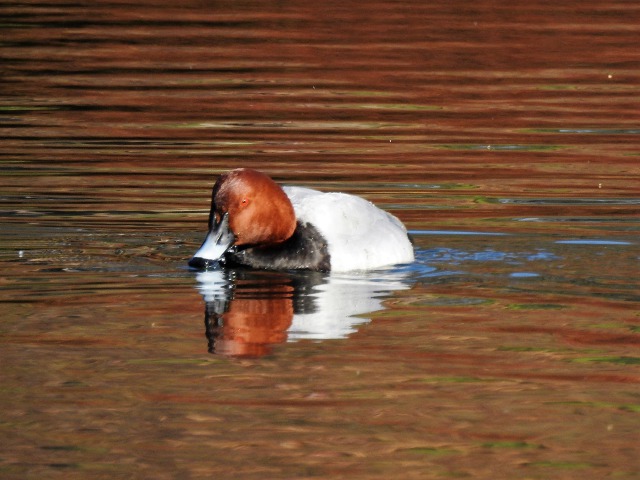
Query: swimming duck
x,y
255,223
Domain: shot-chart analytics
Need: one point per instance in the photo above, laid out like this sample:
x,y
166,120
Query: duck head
x,y
248,209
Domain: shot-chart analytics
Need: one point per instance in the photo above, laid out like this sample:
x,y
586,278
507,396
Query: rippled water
x,y
504,136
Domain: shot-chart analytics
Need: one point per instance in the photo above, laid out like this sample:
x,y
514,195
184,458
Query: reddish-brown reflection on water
x,y
505,136
250,322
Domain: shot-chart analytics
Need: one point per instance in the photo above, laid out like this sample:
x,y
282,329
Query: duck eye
x,y
245,201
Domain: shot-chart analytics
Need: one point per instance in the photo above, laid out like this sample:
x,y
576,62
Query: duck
x,y
256,223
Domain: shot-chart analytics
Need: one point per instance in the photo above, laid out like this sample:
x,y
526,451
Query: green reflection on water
x,y
562,465
535,306
432,451
617,360
457,380
510,444
631,407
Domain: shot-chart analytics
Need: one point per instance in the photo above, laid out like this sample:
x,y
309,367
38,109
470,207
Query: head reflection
x,y
249,311
246,312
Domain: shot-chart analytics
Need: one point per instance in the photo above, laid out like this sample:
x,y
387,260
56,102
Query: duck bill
x,y
219,239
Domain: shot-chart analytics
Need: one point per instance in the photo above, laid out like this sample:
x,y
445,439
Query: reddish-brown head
x,y
260,213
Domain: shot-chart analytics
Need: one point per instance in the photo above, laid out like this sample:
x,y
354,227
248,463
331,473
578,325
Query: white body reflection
x,y
248,311
339,300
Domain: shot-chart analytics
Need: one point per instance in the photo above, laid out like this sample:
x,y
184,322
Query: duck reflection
x,y
247,311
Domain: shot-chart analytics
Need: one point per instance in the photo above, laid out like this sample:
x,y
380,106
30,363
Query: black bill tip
x,y
199,263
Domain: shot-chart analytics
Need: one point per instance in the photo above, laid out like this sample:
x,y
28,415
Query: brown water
x,y
506,137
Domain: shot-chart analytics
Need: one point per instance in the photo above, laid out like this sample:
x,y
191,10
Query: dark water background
x,y
505,136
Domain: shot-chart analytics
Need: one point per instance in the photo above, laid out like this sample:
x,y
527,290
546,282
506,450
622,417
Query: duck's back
x,y
360,236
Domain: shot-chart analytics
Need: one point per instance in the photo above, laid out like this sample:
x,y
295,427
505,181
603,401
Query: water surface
x,y
504,136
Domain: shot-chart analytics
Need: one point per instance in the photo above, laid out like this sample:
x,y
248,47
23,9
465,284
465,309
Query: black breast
x,y
306,249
